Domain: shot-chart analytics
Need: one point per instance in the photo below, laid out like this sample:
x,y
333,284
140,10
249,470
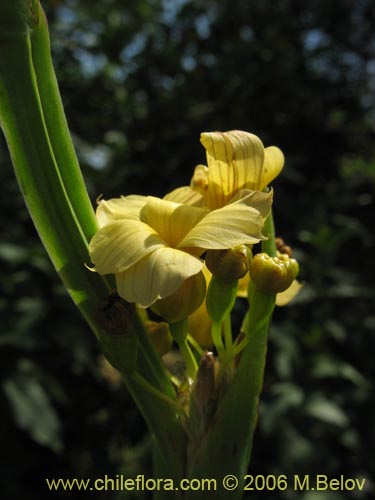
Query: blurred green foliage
x,y
140,81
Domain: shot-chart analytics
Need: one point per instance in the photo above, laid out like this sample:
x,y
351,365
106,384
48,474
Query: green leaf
x,y
326,411
24,126
57,127
33,410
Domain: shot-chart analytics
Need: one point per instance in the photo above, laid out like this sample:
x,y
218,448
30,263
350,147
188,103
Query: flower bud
x,y
160,336
184,301
273,274
203,396
229,265
282,247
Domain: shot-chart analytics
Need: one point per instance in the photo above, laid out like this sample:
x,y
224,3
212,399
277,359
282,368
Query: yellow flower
x,y
236,161
152,245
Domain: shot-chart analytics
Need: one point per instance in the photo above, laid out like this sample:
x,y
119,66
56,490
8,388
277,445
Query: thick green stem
x,y
179,331
268,246
230,433
217,339
23,123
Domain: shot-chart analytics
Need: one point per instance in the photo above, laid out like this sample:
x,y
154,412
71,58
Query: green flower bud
x,y
184,301
229,265
160,336
273,274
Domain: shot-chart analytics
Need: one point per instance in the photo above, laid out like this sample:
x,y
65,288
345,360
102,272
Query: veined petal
x,y
156,276
235,161
273,165
171,220
126,207
119,245
185,195
256,199
227,227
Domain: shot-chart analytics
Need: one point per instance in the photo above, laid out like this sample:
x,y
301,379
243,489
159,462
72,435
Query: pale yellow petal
x,y
171,220
232,225
283,298
199,322
273,165
126,207
156,276
185,195
119,245
256,199
235,161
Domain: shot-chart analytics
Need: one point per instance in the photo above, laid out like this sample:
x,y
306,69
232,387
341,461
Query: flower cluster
x,y
155,246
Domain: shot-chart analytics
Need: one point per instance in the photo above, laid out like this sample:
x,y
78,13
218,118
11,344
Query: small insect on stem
x,y
114,314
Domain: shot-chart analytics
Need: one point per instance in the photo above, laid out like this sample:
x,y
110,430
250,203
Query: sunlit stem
x,y
194,344
179,332
220,300
231,355
269,246
227,327
217,338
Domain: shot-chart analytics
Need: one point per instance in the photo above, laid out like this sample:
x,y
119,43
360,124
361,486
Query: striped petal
x,y
226,227
119,245
235,161
185,195
260,201
156,276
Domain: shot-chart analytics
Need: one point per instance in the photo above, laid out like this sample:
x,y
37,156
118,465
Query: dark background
x,y
140,81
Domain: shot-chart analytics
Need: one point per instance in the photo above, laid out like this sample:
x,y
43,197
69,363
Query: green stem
x,y
163,421
218,338
157,372
194,344
220,300
179,332
268,246
155,392
227,327
230,433
189,358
